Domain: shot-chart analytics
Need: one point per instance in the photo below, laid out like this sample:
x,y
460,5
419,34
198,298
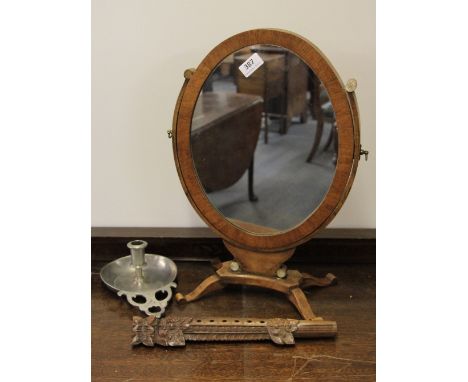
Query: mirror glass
x,y
264,139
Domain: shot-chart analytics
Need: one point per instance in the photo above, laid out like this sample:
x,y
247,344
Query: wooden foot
x,y
299,299
208,285
309,280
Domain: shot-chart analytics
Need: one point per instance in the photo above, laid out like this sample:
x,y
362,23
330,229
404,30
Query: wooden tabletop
x,y
213,107
349,357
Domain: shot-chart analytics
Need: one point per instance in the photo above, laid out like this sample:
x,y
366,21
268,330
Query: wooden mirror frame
x,y
262,254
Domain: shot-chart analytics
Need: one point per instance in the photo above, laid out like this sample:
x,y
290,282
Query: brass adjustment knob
x,y
282,272
364,152
188,73
234,266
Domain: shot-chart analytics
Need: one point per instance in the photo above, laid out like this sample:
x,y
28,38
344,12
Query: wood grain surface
x,y
349,357
330,246
224,136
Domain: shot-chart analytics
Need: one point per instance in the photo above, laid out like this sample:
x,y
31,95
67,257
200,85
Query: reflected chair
x,y
286,94
322,111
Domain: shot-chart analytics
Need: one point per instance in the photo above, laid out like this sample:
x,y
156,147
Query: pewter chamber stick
x,y
144,279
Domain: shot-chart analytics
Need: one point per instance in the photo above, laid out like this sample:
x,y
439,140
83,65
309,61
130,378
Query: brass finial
x,y
188,73
351,85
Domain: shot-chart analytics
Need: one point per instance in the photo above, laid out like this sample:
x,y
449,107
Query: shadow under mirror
x,y
264,139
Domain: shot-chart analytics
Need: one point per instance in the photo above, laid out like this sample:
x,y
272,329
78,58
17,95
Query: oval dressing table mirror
x,y
266,144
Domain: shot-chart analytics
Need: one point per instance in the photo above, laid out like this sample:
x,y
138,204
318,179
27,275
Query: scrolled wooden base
x,y
175,331
291,286
208,285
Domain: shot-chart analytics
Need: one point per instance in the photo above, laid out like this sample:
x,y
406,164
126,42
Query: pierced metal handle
x,y
151,305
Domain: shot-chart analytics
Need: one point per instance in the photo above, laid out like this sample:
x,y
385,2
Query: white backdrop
x,y
139,52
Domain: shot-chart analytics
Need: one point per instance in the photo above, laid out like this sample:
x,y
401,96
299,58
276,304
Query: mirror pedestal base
x,y
291,285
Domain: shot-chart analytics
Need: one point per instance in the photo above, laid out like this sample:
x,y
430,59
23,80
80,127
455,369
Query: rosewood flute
x,y
175,331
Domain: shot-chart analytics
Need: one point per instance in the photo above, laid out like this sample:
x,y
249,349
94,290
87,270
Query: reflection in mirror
x,y
264,139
